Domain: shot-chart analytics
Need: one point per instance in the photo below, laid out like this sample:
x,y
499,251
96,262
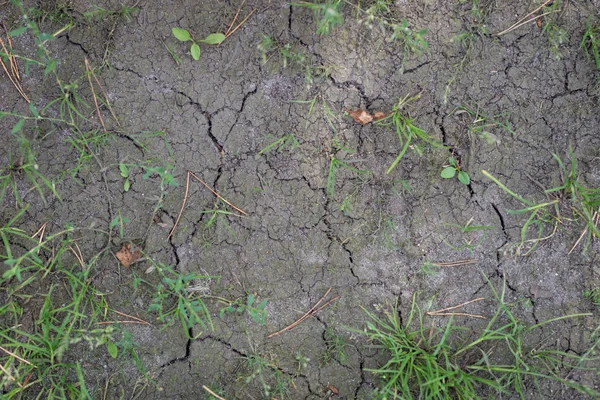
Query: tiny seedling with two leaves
x,y
450,171
184,36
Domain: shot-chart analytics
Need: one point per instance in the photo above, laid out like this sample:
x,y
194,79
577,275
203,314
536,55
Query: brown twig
x,y
454,307
315,309
458,313
90,72
217,194
187,188
235,18
518,23
455,263
212,393
12,59
16,356
595,219
10,76
106,99
185,197
131,316
240,24
78,255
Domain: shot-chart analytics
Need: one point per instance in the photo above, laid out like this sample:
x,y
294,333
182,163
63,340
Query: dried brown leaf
x,y
360,116
378,115
127,256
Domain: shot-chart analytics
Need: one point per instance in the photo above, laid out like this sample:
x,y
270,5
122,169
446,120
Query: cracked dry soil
x,y
370,239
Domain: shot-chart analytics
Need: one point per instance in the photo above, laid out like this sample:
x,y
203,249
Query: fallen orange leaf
x,y
360,116
127,256
378,115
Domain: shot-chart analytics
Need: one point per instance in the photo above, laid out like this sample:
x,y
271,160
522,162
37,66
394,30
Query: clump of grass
x,y
407,132
428,363
178,297
36,359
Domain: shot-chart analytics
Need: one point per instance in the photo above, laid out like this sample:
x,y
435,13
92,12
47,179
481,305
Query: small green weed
x,y
405,129
469,240
412,42
24,166
430,269
593,295
120,222
287,141
256,311
335,347
539,215
428,363
184,36
483,126
189,307
327,14
450,171
273,381
99,13
334,164
590,43
556,34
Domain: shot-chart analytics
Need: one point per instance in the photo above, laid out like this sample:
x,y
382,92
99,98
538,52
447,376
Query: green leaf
x,y
18,31
463,177
250,300
124,170
33,110
452,161
126,185
114,222
112,349
181,34
262,305
448,172
195,50
18,126
214,38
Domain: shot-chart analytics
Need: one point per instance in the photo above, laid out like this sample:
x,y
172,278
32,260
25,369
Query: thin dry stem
x,y
12,59
106,99
235,18
455,307
595,219
455,263
217,194
459,314
240,24
516,24
212,393
78,255
16,356
12,79
131,316
187,189
309,313
90,72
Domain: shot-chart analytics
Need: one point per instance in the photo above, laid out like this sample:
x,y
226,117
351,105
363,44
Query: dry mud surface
x,y
503,104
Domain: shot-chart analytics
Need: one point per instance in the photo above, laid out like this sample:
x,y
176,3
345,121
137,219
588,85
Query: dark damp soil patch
x,y
262,119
